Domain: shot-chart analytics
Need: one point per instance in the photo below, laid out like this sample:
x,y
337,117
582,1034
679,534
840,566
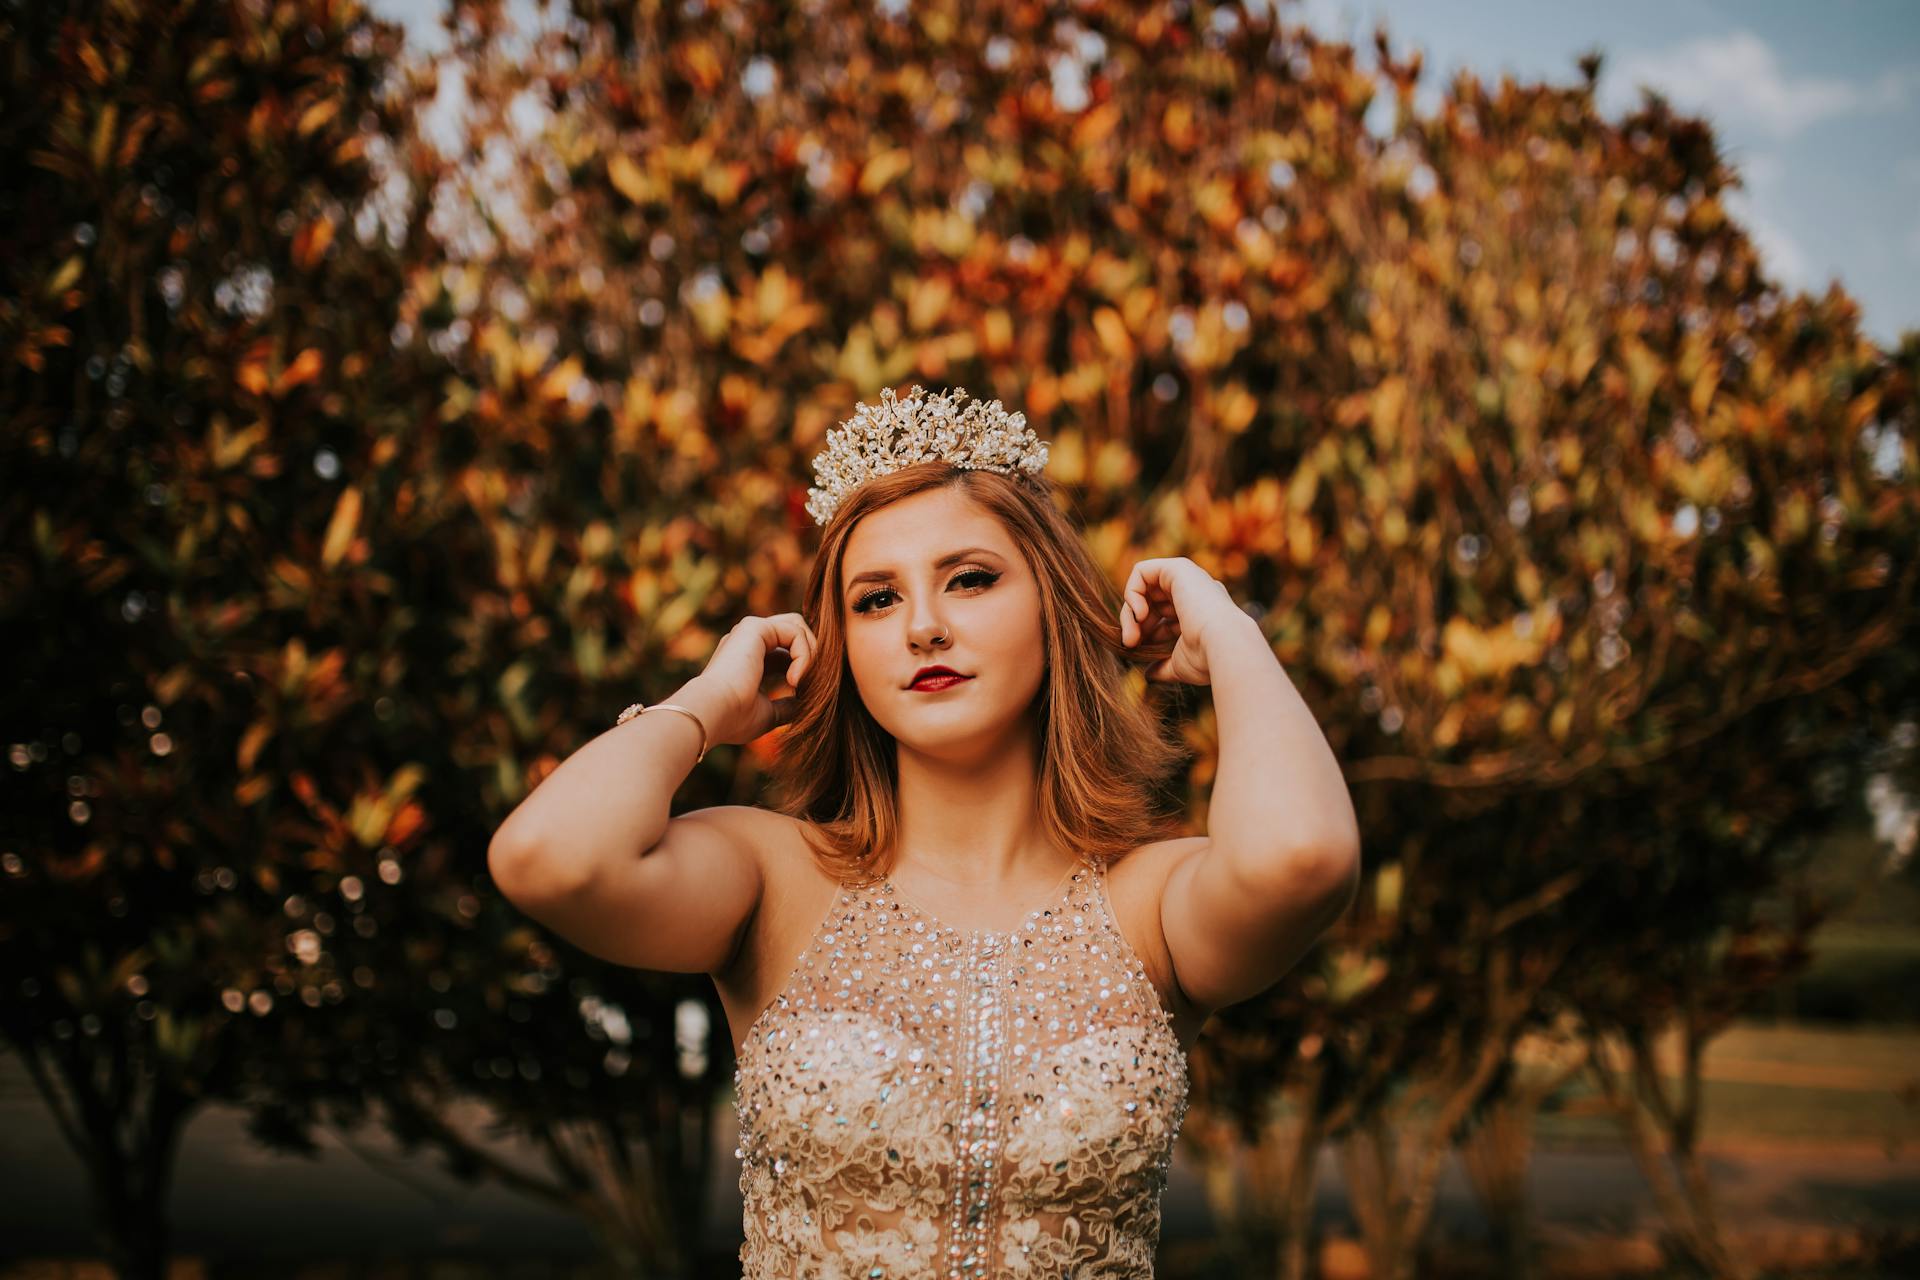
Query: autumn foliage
x,y
352,481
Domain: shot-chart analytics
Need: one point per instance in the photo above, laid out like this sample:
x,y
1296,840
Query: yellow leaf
x,y
1703,388
884,168
340,529
628,179
103,136
1112,331
1234,408
250,743
928,302
996,331
231,450
558,383
701,65
1385,406
1176,125
316,116
723,182
68,273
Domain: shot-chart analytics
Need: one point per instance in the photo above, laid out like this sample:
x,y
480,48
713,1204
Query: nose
x,y
927,632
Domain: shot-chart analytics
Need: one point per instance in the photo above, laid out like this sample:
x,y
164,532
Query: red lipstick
x,y
928,679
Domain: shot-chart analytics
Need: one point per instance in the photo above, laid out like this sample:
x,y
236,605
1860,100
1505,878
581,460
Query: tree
x,y
178,357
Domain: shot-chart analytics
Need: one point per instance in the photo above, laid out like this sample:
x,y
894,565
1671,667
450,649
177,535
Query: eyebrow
x,y
952,557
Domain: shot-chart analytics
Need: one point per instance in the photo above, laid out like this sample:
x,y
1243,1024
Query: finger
x,y
813,648
1139,611
1135,601
785,631
1126,606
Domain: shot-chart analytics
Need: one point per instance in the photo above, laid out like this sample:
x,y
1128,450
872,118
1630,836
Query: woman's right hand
x,y
758,656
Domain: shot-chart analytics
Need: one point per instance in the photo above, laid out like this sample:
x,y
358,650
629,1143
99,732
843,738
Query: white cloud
x,y
1738,79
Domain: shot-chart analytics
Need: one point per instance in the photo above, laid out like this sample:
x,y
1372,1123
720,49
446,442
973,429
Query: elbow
x,y
507,864
1328,873
525,875
1341,874
1321,874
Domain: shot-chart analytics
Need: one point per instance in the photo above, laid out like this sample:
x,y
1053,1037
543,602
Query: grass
x,y
1771,1082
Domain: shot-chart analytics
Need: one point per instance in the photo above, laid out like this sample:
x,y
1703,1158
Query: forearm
x,y
1278,791
609,800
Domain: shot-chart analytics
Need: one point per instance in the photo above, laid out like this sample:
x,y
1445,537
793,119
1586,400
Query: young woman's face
x,y
930,566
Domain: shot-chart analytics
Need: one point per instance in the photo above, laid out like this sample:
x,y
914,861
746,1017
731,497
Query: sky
x,y
1816,104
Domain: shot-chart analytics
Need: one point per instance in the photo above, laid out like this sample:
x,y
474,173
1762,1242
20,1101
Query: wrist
x,y
1232,627
706,701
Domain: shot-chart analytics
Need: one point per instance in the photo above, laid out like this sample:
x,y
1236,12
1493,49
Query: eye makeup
x,y
983,577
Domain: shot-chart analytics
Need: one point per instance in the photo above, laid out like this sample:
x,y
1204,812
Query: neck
x,y
970,820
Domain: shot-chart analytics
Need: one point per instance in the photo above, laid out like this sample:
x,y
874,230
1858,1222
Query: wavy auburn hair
x,y
1105,752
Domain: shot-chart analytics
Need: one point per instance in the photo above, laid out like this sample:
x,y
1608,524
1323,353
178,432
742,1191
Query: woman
x,y
977,1065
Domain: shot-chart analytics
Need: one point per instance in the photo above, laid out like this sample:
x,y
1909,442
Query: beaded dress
x,y
922,1100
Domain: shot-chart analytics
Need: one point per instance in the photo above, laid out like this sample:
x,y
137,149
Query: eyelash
x,y
862,606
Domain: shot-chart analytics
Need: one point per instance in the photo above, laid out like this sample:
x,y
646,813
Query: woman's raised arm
x,y
592,852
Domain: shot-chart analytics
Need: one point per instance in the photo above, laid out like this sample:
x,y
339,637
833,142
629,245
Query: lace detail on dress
x,y
923,1100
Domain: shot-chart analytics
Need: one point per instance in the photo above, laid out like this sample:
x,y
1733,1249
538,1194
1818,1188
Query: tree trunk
x,y
1496,1154
1297,1224
125,1127
1370,1158
1686,1201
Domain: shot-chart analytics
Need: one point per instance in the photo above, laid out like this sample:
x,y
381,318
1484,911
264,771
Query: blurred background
x,y
391,396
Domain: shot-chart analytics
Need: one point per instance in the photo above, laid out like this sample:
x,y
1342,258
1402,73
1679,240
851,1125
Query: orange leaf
x,y
340,529
1096,125
305,368
311,241
252,375
250,743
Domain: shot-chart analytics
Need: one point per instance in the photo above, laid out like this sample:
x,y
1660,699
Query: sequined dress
x,y
922,1100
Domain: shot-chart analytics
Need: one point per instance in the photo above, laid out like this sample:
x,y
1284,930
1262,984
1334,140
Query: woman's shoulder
x,y
1145,868
779,842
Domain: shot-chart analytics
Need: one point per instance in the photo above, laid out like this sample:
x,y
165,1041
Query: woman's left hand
x,y
1174,597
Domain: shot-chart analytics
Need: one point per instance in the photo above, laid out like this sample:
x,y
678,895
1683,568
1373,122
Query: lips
x,y
937,678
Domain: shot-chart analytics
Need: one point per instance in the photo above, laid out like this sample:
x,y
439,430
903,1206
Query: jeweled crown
x,y
880,439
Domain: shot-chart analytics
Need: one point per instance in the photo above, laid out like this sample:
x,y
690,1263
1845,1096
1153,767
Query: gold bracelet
x,y
640,707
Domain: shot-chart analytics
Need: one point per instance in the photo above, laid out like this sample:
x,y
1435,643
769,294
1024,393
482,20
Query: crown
x,y
878,440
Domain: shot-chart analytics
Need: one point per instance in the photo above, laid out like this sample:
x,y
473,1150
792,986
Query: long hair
x,y
1104,754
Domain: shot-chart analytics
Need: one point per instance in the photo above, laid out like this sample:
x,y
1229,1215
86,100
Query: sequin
x,y
1004,1104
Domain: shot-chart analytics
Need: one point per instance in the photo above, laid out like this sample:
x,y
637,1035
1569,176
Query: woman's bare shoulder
x,y
1145,868
763,831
